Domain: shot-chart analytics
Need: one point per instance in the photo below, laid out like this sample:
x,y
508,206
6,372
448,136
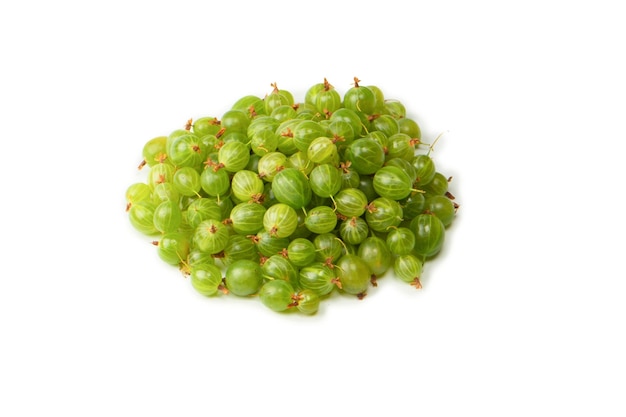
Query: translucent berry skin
x,y
366,184
404,165
277,295
211,236
215,182
353,273
283,112
313,91
366,156
408,268
290,186
280,220
160,173
394,108
248,102
383,213
300,162
325,180
277,267
437,186
351,202
141,216
277,99
167,216
401,146
226,204
327,101
246,185
186,151
341,132
204,126
286,143
196,257
360,99
270,164
400,241
234,156
307,131
410,127
269,245
424,170
318,278
392,182
322,151
301,252
301,229
154,149
350,179
321,219
235,121
244,277
206,279
186,181
386,124
442,207
203,209
429,234
353,230
374,252
308,302
137,192
328,248
261,124
413,205
239,247
173,248
247,218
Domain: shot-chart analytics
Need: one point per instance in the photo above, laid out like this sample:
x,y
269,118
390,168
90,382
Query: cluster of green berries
x,y
290,201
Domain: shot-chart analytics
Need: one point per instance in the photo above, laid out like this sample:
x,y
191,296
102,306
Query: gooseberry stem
x,y
373,280
327,85
222,286
416,283
334,202
342,244
337,282
432,146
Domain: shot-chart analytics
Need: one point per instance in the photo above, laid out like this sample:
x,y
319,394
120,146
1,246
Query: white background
x,y
522,314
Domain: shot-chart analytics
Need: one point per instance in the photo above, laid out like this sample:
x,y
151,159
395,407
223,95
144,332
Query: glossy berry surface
x,y
295,202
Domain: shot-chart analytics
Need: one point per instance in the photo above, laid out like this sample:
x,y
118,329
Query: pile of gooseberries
x,y
290,202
